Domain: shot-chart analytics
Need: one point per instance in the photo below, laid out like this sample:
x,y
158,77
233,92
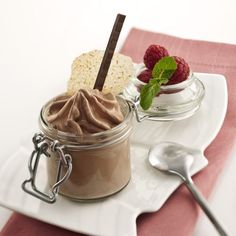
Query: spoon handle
x,y
204,205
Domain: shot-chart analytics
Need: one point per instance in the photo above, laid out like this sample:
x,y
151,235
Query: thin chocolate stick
x,y
106,61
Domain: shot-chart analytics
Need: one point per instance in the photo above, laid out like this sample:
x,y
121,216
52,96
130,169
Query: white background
x,y
40,39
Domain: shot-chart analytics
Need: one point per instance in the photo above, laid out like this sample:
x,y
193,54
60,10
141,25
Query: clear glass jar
x,y
91,167
174,102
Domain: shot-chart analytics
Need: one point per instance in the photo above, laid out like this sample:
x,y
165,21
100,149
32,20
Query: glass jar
x,y
173,102
83,167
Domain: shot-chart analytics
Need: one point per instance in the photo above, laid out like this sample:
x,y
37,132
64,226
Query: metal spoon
x,y
176,159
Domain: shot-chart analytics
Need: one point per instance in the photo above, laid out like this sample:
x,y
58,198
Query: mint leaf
x,y
161,73
164,68
148,92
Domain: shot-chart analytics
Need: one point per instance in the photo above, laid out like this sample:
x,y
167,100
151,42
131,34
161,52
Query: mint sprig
x,y
161,74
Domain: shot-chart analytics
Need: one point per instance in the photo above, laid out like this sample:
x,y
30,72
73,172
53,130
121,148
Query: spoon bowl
x,y
171,157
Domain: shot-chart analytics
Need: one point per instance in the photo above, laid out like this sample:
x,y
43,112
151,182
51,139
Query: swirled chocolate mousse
x,y
99,146
85,112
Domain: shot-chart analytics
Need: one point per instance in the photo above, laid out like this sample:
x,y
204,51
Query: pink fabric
x,y
180,209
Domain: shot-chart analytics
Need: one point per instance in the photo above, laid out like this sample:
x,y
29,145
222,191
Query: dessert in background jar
x,y
166,87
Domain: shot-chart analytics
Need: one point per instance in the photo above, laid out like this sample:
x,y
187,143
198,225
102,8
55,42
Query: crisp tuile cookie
x,y
85,69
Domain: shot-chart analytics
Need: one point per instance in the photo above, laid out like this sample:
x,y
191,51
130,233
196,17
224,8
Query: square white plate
x,y
148,188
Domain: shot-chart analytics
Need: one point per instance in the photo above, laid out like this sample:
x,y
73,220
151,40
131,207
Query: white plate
x,y
147,190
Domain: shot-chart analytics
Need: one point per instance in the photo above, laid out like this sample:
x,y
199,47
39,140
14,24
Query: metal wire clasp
x,y
41,146
134,103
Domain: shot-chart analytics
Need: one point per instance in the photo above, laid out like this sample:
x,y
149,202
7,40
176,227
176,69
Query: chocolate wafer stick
x,y
111,45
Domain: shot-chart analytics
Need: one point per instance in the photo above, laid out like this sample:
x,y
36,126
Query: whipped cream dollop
x,y
85,112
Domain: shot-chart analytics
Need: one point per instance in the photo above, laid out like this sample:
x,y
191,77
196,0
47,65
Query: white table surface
x,y
40,39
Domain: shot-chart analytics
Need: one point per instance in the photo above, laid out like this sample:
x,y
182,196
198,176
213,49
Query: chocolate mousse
x,y
85,112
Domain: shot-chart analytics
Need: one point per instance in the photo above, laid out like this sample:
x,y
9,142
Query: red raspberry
x,y
145,76
181,73
153,54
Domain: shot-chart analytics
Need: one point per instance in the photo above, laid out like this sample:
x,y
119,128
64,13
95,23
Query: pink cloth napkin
x,y
180,209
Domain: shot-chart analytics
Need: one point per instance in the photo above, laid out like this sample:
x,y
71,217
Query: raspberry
x,y
145,76
181,73
153,54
